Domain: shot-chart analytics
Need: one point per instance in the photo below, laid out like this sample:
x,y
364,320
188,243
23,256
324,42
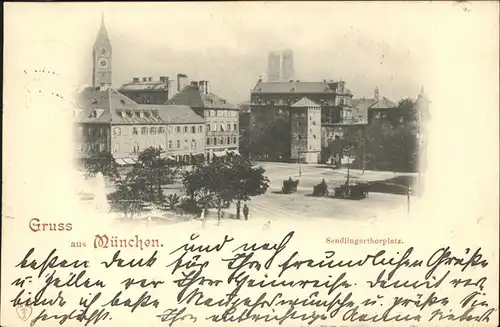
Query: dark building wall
x,y
147,97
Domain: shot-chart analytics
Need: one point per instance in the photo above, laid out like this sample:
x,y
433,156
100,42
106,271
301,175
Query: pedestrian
x,y
245,211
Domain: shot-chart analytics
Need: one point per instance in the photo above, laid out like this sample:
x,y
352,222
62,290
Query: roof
x,y
384,103
305,103
102,34
144,86
110,106
285,87
191,96
361,106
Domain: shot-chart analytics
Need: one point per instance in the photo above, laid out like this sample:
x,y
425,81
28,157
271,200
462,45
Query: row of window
x,y
221,140
91,131
117,131
221,113
222,127
91,147
288,102
300,136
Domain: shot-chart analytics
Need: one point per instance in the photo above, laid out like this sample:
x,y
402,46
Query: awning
x,y
126,161
219,153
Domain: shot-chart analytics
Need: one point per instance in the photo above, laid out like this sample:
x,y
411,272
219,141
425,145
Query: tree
x,y
155,171
269,141
391,140
247,181
103,162
224,180
130,197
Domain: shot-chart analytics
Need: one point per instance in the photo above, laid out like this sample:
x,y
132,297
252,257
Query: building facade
x,y
221,118
305,131
147,90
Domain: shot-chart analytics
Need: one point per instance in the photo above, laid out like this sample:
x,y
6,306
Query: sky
x,y
391,45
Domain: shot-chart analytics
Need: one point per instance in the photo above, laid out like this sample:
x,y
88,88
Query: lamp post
x,y
408,200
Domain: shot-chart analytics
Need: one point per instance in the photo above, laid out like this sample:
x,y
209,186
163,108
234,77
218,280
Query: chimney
x,y
164,79
150,79
135,79
144,79
207,87
194,83
181,81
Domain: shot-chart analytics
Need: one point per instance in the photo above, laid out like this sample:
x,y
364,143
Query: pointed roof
x,y
102,35
305,103
191,96
384,103
109,104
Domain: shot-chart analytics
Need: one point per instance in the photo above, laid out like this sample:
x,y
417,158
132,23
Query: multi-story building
x,y
287,66
274,66
270,100
305,131
221,117
147,90
273,100
109,121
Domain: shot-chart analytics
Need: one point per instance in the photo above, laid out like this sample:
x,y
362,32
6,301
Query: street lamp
x,y
408,200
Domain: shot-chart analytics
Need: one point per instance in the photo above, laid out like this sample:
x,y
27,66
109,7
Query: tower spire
x,y
376,93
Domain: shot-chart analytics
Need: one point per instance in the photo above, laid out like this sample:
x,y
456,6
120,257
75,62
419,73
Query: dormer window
x,y
94,102
122,101
129,114
137,114
155,114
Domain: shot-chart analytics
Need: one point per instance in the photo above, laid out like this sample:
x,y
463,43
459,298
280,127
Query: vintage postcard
x,y
250,164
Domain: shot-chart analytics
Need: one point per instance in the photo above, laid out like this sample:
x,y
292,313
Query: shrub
x,y
190,206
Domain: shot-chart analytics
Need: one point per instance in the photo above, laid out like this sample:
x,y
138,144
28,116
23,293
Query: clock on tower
x,y
102,57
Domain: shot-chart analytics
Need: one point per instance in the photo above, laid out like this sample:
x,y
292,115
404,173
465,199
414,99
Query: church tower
x,y
101,58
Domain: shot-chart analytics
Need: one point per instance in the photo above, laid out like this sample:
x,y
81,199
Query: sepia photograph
x,y
250,163
333,130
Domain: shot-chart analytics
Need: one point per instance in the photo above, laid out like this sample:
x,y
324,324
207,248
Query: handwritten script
x,y
272,282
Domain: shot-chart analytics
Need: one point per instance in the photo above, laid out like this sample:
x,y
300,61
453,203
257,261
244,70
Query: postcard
x,y
250,164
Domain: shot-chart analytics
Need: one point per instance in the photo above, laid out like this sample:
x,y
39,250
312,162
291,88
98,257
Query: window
x,y
208,141
90,130
215,141
152,130
215,127
314,136
80,130
116,147
200,129
161,130
178,129
193,129
185,129
221,140
228,127
136,147
228,140
193,144
102,147
234,139
134,131
170,144
144,130
170,129
178,144
186,144
314,123
208,127
235,127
